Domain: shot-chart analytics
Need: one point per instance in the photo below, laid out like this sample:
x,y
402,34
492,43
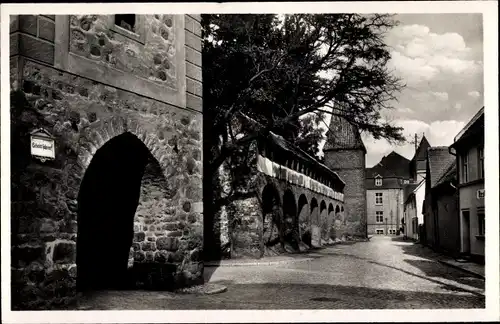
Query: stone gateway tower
x,y
344,153
116,200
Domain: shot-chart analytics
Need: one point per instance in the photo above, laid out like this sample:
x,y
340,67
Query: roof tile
x,y
439,159
343,135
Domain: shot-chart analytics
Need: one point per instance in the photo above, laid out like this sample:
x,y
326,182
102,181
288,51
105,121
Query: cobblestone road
x,y
383,273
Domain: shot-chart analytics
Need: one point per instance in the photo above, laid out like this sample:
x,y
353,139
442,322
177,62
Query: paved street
x,y
383,273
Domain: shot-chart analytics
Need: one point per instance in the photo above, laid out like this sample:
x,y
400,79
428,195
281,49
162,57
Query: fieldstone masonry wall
x,y
84,106
148,52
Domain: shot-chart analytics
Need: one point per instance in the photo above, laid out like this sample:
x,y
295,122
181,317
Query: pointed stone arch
x,y
95,135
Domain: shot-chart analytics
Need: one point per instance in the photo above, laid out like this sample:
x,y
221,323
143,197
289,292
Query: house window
x,y
379,231
481,163
378,182
406,181
378,198
481,224
126,22
379,216
392,231
465,168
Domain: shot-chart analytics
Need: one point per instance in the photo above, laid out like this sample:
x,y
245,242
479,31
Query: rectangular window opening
x,y
465,168
481,163
379,216
126,22
378,198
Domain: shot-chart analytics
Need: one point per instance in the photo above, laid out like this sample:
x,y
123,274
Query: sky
x,y
440,58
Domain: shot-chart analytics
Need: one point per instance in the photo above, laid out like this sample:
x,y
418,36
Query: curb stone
x,y
205,289
478,275
217,290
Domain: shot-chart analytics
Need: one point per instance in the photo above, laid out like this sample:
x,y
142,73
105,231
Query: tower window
x,y
126,22
378,182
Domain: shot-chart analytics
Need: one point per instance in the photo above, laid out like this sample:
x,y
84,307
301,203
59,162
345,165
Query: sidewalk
x,y
470,267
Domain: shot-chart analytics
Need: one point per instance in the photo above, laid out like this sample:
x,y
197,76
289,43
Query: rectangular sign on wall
x,y
42,145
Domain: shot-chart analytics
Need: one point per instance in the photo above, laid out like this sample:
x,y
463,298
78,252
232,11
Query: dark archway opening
x,y
330,209
290,225
271,215
323,222
331,222
107,202
304,215
310,236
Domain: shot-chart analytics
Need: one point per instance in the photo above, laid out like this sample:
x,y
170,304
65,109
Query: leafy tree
x,y
283,74
268,73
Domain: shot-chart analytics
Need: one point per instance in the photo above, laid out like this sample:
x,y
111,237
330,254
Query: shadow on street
x,y
284,296
445,272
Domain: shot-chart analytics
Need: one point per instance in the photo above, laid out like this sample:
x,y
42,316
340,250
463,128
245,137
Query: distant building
x,y
414,193
384,194
413,197
440,208
468,147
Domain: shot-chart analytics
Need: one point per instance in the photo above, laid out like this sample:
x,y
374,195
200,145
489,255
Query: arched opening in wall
x,y
331,229
314,239
290,223
304,216
338,216
323,222
107,202
271,214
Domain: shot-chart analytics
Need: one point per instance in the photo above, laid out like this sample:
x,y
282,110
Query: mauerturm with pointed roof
x,y
417,163
345,154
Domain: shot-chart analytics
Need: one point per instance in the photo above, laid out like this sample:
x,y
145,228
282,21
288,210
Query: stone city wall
x,y
83,106
242,225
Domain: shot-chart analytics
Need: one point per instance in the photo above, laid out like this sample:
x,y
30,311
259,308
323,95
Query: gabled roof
x,y
469,124
449,174
439,160
474,128
343,135
392,165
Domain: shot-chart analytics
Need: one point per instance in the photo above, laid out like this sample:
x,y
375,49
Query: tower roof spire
x,y
343,135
